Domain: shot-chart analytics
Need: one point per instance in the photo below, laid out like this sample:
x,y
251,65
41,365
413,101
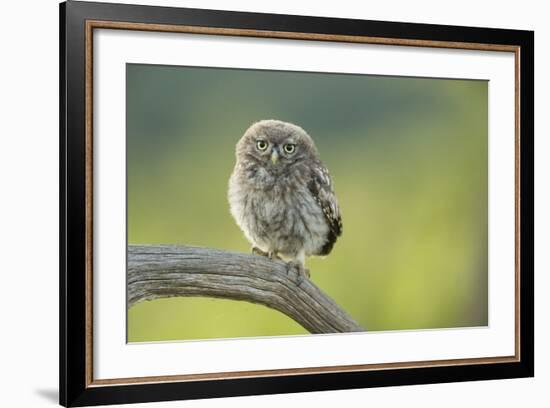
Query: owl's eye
x,y
289,148
261,145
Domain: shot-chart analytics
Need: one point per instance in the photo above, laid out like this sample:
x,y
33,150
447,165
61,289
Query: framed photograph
x,y
257,203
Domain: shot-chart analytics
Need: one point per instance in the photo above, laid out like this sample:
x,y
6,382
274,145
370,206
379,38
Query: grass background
x,y
408,157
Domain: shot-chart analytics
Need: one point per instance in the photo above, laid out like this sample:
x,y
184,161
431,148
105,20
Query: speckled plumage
x,y
283,201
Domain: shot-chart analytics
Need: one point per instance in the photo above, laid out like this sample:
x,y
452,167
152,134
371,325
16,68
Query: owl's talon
x,y
270,255
301,271
258,251
274,256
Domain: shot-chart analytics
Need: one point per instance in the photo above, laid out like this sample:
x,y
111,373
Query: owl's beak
x,y
274,156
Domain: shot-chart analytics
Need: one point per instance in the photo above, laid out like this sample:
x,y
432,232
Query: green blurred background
x,y
408,157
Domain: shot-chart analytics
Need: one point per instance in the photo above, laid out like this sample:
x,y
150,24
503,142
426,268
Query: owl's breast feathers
x,y
320,187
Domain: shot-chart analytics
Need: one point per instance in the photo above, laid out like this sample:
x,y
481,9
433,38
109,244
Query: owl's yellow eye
x,y
289,148
261,145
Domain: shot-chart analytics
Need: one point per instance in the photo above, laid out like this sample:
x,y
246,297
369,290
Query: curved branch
x,y
159,271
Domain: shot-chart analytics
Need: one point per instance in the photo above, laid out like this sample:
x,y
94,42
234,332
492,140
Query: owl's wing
x,y
320,187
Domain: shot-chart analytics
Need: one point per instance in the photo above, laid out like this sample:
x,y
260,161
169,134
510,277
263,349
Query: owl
x,y
281,195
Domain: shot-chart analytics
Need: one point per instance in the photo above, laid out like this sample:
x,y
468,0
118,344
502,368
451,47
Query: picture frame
x,y
79,23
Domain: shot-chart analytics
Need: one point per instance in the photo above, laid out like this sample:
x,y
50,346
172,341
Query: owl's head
x,y
276,145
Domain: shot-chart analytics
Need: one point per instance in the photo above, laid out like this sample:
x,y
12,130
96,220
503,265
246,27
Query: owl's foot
x,y
299,269
258,251
270,255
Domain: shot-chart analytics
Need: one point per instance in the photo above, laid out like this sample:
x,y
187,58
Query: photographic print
x,y
258,204
373,189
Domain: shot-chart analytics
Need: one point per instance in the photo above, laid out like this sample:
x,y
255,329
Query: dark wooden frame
x,y
77,21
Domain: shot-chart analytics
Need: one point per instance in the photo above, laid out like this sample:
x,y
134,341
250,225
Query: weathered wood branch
x,y
160,271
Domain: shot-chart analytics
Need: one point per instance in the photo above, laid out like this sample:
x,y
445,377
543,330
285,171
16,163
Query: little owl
x,y
281,194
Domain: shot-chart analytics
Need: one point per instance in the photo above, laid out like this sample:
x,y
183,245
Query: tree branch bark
x,y
160,271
